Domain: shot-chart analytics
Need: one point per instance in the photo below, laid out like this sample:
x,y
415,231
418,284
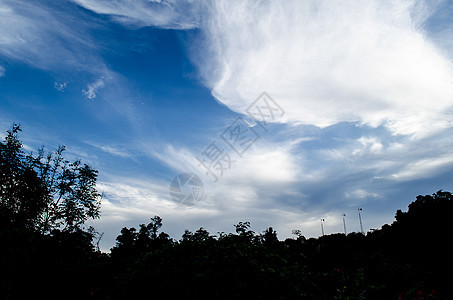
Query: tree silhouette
x,y
44,191
131,244
44,201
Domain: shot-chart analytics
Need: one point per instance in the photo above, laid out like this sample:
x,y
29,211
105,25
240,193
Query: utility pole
x,y
322,226
344,224
360,220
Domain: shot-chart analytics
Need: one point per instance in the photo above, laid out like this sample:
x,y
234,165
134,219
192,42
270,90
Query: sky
x,y
286,112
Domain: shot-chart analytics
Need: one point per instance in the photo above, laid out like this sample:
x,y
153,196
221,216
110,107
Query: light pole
x,y
322,226
344,224
360,220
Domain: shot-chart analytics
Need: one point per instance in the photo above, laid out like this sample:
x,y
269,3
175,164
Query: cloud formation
x,y
324,63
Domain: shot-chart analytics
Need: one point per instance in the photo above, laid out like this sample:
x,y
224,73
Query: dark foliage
x,y
44,192
409,259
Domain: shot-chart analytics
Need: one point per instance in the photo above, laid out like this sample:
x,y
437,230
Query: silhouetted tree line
x,y
46,251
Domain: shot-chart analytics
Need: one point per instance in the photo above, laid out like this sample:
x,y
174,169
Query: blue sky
x,y
140,89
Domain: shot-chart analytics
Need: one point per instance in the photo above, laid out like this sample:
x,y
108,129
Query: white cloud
x,y
2,71
368,145
92,88
116,150
424,168
261,164
324,63
165,14
361,194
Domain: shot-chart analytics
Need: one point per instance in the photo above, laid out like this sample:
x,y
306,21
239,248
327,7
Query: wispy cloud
x,y
47,36
114,150
166,14
2,71
424,168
